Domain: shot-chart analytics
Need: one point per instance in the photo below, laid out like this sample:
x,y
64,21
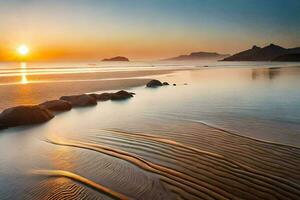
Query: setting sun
x,y
23,50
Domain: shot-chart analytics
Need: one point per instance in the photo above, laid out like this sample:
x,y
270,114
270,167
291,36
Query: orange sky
x,y
85,49
142,30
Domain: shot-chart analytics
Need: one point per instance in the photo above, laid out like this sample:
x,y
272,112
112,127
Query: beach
x,y
150,100
220,133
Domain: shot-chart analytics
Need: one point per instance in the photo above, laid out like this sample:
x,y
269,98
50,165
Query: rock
x,y
174,84
80,100
24,115
154,83
121,95
166,83
101,97
57,105
95,96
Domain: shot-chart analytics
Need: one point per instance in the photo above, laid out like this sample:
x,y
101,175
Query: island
x,y
199,56
117,58
271,52
293,57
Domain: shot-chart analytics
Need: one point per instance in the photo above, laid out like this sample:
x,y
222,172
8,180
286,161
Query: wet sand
x,y
198,162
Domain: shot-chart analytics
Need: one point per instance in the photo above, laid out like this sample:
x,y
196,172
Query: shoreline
x,y
130,82
48,87
36,78
125,80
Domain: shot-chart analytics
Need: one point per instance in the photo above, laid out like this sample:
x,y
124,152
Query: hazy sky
x,y
144,29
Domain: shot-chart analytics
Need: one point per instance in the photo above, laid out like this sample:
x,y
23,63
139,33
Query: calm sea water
x,y
257,100
263,95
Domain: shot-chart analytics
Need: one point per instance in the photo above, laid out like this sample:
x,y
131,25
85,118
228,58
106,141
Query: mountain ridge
x,y
200,55
267,53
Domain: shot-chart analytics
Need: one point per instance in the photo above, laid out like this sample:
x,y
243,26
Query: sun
x,y
23,50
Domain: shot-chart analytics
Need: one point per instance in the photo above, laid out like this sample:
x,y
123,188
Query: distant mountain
x,y
117,58
199,56
268,53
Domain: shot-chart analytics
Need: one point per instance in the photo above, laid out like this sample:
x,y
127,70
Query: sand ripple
x,y
80,179
226,171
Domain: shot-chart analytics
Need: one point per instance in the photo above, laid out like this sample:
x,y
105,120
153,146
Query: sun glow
x,y
23,50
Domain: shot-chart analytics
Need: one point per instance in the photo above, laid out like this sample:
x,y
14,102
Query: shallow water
x,y
166,143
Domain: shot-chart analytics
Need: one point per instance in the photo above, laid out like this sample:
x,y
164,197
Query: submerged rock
x,y
166,83
24,115
154,83
57,105
80,100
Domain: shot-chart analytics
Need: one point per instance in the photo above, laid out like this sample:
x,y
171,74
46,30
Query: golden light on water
x,y
23,73
23,50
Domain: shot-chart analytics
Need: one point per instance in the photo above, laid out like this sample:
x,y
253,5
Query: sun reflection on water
x,y
23,73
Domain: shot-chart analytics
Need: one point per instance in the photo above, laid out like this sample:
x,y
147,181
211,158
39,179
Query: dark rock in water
x,y
101,97
57,105
166,83
154,83
24,115
80,100
174,84
125,93
118,58
185,84
95,96
121,95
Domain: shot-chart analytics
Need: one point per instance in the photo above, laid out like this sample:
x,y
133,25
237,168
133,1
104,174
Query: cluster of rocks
x,y
121,95
156,83
35,114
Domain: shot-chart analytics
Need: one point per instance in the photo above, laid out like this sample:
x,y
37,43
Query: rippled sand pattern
x,y
60,189
210,164
80,179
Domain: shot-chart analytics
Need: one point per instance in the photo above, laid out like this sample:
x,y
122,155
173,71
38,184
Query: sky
x,y
143,29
